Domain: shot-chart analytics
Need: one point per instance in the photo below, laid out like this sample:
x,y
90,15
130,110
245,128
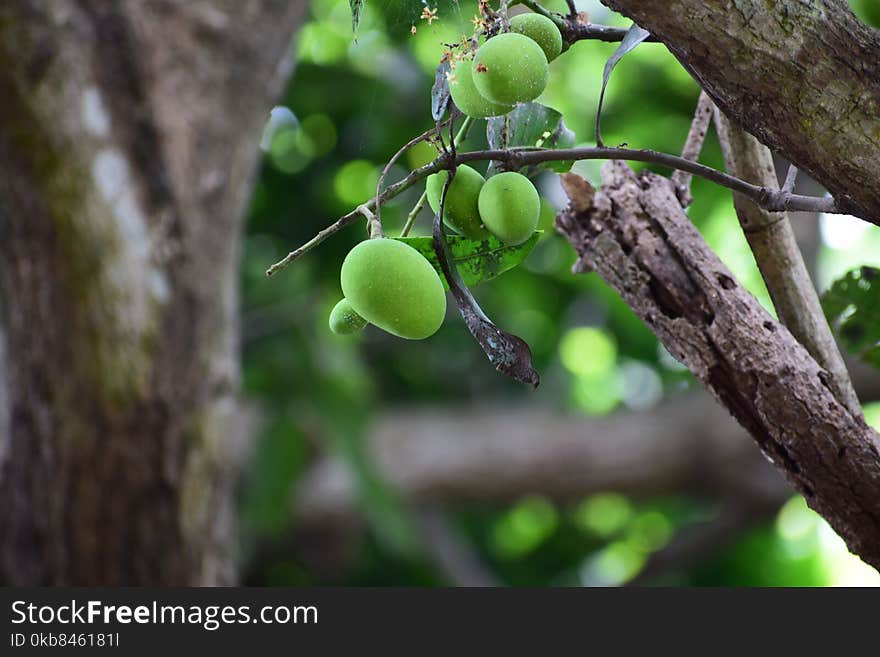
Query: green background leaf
x,y
852,306
476,260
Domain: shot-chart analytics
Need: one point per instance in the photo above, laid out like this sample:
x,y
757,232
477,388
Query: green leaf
x,y
356,6
476,260
852,306
530,125
633,37
440,91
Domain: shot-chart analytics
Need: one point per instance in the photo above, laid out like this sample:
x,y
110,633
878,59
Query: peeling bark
x,y
634,233
803,77
128,135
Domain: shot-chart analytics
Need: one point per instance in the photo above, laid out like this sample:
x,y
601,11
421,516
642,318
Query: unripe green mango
x,y
460,211
467,98
344,320
510,68
541,30
393,286
510,206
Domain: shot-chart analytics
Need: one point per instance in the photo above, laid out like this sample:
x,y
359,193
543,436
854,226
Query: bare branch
x,y
692,147
427,134
771,199
782,266
768,198
573,30
790,178
390,192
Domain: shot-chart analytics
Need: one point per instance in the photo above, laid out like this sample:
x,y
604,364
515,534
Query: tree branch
x,y
692,147
636,236
769,198
782,266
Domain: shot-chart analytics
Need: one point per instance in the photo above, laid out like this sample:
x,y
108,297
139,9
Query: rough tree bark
x,y
803,77
128,135
634,233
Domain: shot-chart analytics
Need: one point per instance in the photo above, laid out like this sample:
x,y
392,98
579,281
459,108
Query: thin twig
x,y
790,178
345,220
768,198
693,145
411,217
374,226
776,252
573,30
403,149
572,9
538,9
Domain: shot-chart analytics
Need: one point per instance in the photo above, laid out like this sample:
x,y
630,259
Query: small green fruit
x,y
510,68
510,206
541,30
344,319
460,211
393,286
467,98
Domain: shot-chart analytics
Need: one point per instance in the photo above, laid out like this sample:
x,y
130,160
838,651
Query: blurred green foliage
x,y
314,392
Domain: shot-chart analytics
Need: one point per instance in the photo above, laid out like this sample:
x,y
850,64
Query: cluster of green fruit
x,y
390,284
509,68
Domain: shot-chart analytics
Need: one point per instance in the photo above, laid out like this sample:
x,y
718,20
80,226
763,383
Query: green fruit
x,y
344,319
467,98
541,30
460,211
393,286
510,68
510,206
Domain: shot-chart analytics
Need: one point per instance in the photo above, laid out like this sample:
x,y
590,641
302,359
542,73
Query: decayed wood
x,y
128,138
803,77
634,233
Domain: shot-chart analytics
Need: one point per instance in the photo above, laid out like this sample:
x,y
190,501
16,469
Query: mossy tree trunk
x,y
128,134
